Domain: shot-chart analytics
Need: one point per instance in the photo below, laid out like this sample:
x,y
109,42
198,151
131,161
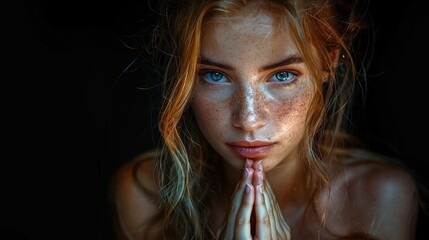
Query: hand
x,y
253,198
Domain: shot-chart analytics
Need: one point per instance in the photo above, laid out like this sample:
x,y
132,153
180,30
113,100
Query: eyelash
x,y
287,82
203,73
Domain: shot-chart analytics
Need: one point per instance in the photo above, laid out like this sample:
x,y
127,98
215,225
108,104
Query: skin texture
x,y
247,101
254,196
266,197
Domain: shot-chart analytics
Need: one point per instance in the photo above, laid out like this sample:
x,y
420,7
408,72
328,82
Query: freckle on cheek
x,y
210,110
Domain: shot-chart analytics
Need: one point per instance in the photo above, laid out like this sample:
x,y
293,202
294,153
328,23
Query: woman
x,y
254,139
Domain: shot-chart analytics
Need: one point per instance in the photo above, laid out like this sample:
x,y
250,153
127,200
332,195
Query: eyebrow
x,y
295,58
207,61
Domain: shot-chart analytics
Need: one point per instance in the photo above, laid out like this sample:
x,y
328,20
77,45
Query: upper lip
x,y
254,143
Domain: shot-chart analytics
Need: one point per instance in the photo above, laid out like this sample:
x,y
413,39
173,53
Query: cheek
x,y
293,110
210,115
289,115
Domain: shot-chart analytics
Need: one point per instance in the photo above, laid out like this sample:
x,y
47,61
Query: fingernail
x,y
260,174
245,173
259,187
260,165
248,188
248,163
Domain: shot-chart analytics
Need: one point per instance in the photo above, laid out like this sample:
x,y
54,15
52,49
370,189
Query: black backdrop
x,y
69,120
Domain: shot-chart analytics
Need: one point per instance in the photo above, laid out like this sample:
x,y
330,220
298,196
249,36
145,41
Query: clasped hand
x,y
254,211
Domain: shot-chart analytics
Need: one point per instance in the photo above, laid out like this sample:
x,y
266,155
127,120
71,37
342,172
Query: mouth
x,y
251,149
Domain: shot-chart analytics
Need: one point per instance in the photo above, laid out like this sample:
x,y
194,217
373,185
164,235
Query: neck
x,y
289,182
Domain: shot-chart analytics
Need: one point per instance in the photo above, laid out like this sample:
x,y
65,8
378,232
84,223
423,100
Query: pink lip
x,y
251,149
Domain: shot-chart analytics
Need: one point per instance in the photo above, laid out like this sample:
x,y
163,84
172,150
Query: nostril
x,y
249,120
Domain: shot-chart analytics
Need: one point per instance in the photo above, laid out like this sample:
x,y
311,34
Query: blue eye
x,y
212,76
283,76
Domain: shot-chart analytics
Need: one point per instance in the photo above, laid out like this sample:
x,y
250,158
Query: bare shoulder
x,y
133,194
376,197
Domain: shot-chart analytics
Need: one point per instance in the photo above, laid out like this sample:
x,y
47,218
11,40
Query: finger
x,y
242,222
263,221
249,163
258,166
258,179
237,200
282,227
225,231
246,172
258,173
274,212
269,203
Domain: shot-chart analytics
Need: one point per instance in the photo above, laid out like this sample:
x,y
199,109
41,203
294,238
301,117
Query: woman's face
x,y
253,89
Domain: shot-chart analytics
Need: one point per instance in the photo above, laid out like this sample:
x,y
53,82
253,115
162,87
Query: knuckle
x,y
266,220
240,221
246,203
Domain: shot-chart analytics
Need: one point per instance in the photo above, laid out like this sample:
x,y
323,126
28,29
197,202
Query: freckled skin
x,y
248,106
252,84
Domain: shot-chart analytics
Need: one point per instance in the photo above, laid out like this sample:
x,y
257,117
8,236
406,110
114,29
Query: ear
x,y
335,56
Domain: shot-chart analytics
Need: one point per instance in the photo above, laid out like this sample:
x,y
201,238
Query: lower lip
x,y
251,152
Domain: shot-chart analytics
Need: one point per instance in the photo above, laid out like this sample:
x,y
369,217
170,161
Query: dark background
x,y
70,119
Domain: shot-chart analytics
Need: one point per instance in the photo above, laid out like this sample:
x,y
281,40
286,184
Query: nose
x,y
250,111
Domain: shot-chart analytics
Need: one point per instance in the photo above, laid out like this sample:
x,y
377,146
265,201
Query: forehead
x,y
250,18
246,31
